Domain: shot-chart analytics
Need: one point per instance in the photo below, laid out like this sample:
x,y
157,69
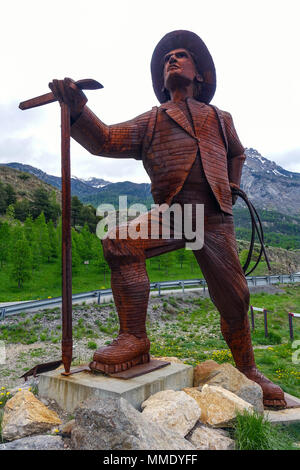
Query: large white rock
x,y
195,393
219,407
206,438
113,424
25,415
176,411
229,377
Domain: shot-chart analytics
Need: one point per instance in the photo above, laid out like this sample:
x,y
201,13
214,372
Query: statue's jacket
x,y
165,141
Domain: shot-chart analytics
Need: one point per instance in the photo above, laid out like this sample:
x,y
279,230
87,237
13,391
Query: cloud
x,y
32,137
14,122
17,149
83,164
289,160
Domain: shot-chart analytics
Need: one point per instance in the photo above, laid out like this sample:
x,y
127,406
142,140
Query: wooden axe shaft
x,y
67,342
85,84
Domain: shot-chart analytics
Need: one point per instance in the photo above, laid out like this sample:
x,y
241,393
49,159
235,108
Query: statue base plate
x,y
135,371
141,369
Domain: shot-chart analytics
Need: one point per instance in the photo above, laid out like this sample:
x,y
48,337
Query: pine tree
x,y
10,194
31,234
180,256
76,260
40,204
29,229
22,209
36,257
21,262
168,261
194,266
4,242
3,203
87,239
53,239
42,237
88,216
75,210
10,213
99,259
55,210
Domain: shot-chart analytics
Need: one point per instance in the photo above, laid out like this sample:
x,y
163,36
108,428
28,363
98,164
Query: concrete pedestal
x,y
69,391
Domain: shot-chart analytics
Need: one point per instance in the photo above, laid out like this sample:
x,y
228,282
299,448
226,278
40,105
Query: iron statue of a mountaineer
x,y
193,155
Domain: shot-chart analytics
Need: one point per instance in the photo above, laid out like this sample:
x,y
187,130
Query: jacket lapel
x,y
175,113
199,112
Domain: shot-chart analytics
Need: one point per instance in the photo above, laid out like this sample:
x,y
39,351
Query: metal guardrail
x,y
8,310
274,279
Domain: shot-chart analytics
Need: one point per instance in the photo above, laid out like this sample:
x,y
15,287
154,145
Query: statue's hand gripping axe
x,y
67,343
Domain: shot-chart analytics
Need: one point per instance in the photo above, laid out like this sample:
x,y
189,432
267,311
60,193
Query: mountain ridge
x,y
268,186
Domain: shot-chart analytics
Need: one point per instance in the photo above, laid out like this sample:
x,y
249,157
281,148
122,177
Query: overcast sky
x,y
254,44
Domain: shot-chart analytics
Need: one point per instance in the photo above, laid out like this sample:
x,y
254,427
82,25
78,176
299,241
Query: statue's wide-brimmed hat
x,y
182,39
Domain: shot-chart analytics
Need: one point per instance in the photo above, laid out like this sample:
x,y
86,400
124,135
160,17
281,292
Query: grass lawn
x,y
46,281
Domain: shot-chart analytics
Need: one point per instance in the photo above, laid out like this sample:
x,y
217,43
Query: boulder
x,y
175,411
35,443
206,438
203,370
25,415
227,376
114,424
195,393
219,407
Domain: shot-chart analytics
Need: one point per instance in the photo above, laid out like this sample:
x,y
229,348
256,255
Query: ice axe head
x,y
84,84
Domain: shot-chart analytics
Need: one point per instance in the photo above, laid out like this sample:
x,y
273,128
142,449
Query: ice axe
x,y
67,342
85,84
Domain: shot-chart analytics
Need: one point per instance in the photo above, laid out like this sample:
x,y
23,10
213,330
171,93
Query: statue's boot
x,y
240,344
130,286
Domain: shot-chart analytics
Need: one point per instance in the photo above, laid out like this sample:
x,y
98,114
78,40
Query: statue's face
x,y
179,67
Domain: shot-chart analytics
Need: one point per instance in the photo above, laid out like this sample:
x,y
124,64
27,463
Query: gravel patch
x,y
93,326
